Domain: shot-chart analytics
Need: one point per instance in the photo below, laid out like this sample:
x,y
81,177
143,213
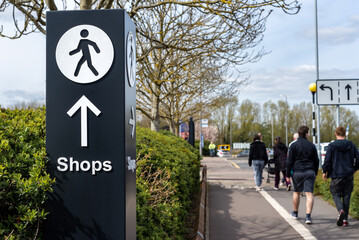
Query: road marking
x,y
303,231
235,165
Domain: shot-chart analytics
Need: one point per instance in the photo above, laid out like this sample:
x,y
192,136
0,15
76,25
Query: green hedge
x,y
23,177
167,184
167,179
321,188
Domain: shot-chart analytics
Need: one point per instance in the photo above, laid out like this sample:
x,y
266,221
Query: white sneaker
x,y
275,188
281,184
258,188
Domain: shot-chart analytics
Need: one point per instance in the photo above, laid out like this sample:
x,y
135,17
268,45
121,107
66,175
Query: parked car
x,y
223,150
244,153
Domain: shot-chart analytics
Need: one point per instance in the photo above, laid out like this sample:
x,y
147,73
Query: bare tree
x,y
301,114
183,36
30,15
223,31
33,104
248,119
200,88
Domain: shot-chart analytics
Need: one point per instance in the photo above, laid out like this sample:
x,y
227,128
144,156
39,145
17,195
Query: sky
x,y
287,70
290,66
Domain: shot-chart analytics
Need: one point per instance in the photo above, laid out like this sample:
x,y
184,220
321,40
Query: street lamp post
x,y
338,115
313,89
317,71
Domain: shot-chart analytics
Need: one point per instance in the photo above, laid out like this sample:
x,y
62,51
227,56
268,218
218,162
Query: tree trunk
x,y
155,116
85,4
172,127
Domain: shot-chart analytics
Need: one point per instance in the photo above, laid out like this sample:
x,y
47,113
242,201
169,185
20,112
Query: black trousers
x,y
341,190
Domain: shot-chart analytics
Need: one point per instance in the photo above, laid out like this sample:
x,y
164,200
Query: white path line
x,y
303,231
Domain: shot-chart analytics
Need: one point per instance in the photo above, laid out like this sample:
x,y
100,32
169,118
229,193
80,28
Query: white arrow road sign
x,y
338,91
83,103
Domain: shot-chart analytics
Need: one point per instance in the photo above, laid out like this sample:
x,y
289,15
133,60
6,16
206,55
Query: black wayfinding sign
x,y
90,124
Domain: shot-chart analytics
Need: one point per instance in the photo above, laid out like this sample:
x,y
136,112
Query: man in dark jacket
x,y
302,165
341,161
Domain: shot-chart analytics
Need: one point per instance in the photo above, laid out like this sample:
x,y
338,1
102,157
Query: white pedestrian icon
x,y
84,54
131,59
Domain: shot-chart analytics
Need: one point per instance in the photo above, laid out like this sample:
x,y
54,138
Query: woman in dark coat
x,y
280,158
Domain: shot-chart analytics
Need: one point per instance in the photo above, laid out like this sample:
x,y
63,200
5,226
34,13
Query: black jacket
x,y
280,156
257,151
341,159
302,157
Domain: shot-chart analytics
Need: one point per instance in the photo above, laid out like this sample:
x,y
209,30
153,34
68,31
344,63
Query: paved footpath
x,y
237,211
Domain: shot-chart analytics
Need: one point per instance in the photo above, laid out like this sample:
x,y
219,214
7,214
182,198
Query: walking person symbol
x,y
86,56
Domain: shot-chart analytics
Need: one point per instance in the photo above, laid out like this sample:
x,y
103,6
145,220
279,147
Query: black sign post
x,y
90,124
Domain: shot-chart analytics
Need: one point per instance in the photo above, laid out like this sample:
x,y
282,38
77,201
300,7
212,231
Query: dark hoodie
x,y
341,159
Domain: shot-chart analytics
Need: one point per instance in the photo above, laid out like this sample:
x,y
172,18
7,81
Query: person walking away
x,y
302,166
280,158
212,148
295,137
340,163
259,158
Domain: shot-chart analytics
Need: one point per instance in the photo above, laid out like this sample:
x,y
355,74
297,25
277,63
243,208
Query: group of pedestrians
x,y
258,157
299,164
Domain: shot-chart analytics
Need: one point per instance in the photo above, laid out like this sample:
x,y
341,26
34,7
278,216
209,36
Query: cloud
x,y
339,35
11,97
336,35
293,82
354,19
271,84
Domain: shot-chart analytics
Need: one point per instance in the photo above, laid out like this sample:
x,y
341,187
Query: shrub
x,y
354,201
321,187
167,183
23,178
167,179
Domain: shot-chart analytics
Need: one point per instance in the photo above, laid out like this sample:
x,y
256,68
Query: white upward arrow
x,y
83,103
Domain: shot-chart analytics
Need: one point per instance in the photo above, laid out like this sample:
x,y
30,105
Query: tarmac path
x,y
237,211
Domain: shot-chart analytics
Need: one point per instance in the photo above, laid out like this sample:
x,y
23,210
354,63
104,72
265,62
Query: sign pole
x,y
338,115
317,73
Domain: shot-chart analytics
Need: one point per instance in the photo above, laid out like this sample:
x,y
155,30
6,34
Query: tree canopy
x,y
247,118
186,50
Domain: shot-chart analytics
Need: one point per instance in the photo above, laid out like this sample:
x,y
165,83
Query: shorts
x,y
303,181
